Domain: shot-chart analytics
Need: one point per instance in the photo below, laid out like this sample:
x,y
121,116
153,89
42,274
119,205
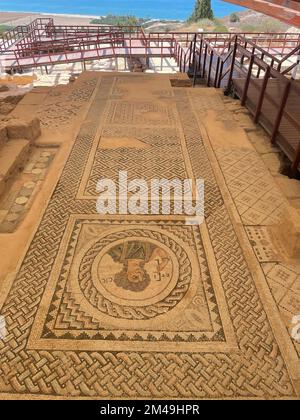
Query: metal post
x,y
220,74
247,82
217,72
280,111
204,60
180,63
232,63
296,68
210,65
195,71
200,55
259,68
295,164
262,94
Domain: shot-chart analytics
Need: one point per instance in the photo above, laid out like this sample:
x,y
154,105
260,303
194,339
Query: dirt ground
x,y
24,18
8,17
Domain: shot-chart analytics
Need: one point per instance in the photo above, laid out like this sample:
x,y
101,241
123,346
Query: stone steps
x,y
20,130
13,155
16,138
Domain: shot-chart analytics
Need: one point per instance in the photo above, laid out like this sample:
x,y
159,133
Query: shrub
x,y
127,20
234,18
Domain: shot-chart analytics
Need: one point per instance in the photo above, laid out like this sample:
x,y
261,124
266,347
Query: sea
x,y
152,9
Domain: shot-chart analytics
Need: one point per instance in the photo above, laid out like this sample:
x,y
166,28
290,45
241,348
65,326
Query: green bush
x,y
213,25
205,23
4,28
234,18
126,20
219,26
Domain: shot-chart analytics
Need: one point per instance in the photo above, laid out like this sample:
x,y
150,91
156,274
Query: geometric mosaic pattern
x,y
66,320
258,200
194,327
260,204
60,107
284,283
108,162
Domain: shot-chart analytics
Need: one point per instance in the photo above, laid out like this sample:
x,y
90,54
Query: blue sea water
x,y
155,9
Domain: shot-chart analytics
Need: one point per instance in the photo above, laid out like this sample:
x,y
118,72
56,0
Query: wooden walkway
x,y
130,48
287,137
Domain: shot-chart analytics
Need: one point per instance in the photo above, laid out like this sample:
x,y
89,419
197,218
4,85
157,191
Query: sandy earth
x,y
7,17
25,18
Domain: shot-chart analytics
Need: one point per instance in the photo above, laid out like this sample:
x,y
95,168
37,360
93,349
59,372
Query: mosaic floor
x,y
205,325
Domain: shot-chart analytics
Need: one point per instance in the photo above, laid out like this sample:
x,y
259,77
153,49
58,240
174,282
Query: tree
x,y
234,18
202,10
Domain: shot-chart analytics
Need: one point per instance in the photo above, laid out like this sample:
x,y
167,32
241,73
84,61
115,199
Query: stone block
x,y
4,88
17,129
3,135
13,99
13,157
6,108
2,184
181,82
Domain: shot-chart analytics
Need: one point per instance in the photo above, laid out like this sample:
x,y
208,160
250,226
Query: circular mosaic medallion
x,y
135,274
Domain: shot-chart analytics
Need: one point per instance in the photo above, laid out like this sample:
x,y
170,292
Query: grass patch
x,y
268,25
4,28
210,25
126,20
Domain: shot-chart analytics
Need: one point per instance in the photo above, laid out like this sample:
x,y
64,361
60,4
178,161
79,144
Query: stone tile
x,y
12,217
278,291
265,207
282,275
253,217
21,200
267,267
247,199
291,302
238,184
262,244
296,285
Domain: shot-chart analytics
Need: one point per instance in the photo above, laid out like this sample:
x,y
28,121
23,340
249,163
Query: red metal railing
x,y
43,39
262,85
17,33
50,52
283,107
217,60
259,59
